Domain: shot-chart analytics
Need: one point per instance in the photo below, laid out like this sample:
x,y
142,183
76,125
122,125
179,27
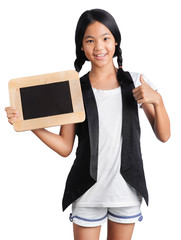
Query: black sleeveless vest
x,y
83,174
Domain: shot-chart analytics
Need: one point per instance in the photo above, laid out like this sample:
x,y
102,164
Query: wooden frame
x,y
78,114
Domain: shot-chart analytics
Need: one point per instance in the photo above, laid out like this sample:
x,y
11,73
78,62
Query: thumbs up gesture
x,y
145,94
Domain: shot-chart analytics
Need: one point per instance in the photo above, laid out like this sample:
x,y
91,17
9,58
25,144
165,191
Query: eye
x,y
89,41
106,38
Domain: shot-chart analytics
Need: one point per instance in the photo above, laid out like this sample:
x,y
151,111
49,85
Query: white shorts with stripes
x,y
95,216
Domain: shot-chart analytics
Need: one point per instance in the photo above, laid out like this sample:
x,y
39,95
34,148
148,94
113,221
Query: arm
x,y
61,143
153,106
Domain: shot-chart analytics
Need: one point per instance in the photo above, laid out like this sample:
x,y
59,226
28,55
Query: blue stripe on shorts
x,y
127,217
85,219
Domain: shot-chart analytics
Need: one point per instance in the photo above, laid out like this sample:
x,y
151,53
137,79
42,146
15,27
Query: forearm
x,y
54,141
154,109
61,143
161,121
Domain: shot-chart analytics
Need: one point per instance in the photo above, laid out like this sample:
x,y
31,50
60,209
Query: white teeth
x,y
100,55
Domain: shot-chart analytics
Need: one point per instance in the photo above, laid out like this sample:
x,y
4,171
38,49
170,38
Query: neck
x,y
103,72
104,77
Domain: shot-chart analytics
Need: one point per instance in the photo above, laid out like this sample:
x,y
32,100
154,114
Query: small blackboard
x,y
47,100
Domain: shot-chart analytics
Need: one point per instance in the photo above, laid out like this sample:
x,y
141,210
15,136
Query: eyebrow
x,y
105,34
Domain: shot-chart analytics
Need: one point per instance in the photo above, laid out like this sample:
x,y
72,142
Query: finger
x,y
141,101
11,120
139,97
12,116
142,81
136,89
11,111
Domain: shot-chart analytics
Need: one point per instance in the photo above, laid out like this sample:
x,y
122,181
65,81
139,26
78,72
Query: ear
x,y
82,49
116,43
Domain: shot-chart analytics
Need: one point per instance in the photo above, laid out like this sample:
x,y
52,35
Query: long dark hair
x,y
84,21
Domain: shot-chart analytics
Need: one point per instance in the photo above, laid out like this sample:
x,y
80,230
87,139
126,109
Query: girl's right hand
x,y
12,114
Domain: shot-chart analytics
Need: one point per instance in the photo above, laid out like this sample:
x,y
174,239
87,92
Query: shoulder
x,y
84,80
136,80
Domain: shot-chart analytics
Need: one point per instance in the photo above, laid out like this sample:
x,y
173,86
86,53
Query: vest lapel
x,y
131,158
130,125
93,123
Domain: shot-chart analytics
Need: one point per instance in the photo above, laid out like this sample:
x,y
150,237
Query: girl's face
x,y
98,44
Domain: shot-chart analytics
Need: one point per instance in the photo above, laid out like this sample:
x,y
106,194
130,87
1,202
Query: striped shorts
x,y
96,216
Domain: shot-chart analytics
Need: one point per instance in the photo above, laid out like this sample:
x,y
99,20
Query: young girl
x,y
107,179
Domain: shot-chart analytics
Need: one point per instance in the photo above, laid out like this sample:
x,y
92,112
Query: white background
x,y
37,37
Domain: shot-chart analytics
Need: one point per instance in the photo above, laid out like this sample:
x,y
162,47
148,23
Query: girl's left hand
x,y
145,94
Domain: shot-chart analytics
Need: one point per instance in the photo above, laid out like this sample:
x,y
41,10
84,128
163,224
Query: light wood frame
x,y
78,114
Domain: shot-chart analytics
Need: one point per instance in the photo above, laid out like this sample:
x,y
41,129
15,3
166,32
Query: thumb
x,y
142,81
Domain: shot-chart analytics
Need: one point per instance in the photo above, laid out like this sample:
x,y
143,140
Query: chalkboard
x,y
47,100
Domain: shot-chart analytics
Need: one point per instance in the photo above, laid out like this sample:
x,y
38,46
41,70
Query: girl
x,y
107,177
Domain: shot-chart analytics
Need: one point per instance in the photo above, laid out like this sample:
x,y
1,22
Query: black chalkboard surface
x,y
47,100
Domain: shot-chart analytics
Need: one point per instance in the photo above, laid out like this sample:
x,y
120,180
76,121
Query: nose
x,y
98,45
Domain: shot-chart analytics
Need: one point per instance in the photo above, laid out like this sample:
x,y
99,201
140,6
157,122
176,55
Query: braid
x,y
80,60
78,64
121,74
120,59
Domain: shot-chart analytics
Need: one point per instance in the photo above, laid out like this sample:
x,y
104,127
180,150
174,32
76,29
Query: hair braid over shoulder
x,y
79,62
120,73
119,58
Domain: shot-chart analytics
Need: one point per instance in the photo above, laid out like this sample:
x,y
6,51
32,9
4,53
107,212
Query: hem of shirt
x,y
107,205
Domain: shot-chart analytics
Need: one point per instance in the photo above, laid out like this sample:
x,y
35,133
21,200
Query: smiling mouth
x,y
100,56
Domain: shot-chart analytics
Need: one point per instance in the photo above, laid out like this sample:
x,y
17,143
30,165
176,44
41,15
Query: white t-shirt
x,y
110,190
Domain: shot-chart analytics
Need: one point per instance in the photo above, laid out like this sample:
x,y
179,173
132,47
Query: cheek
x,y
111,48
87,52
